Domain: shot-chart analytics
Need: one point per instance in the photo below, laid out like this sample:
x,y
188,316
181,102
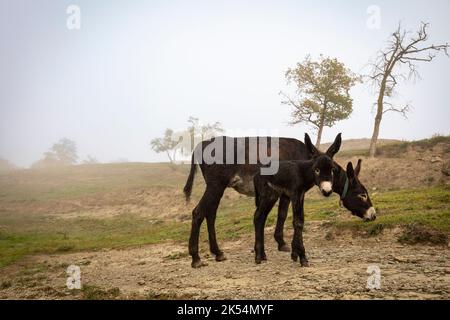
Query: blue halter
x,y
344,192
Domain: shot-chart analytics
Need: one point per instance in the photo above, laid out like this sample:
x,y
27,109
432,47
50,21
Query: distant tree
x,y
166,144
402,50
90,160
62,153
184,141
201,132
6,166
322,89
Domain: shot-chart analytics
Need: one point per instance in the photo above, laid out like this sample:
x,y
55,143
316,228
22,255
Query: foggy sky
x,y
137,67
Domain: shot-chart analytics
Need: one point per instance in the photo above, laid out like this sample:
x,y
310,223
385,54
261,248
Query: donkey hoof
x,y
259,259
221,257
304,263
294,257
198,264
284,248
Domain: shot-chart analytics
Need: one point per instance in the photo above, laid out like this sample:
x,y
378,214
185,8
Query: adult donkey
x,y
239,176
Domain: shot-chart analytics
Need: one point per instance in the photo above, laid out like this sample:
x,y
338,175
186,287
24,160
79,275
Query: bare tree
x,y
404,49
201,132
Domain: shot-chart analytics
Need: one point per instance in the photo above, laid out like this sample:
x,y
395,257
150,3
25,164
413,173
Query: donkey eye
x,y
317,171
363,196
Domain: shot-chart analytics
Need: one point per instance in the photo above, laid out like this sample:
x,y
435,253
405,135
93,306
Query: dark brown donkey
x,y
293,179
239,176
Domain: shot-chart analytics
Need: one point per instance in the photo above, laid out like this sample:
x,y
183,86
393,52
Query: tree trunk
x,y
170,158
320,128
319,135
192,135
378,117
376,131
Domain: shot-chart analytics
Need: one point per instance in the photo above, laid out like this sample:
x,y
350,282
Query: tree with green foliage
x,y
322,93
166,144
62,153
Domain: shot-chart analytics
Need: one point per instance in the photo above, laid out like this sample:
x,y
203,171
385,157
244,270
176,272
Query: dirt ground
x,y
338,270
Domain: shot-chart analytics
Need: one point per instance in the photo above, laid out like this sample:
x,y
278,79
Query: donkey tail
x,y
190,181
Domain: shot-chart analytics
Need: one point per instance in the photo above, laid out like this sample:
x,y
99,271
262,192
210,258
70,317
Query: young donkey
x,y
239,176
293,179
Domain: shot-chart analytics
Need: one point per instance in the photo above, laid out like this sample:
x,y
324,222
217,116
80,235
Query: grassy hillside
x,y
359,144
110,206
118,205
400,148
391,148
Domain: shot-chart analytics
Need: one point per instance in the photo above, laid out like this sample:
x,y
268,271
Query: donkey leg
x,y
211,223
213,246
197,219
264,207
208,203
298,249
283,207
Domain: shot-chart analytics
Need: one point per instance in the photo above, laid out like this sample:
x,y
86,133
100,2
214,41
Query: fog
x,y
135,68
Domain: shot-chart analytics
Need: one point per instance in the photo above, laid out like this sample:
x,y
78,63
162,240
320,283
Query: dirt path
x,y
337,271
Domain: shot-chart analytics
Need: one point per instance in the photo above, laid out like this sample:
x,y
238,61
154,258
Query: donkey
x,y
293,179
218,177
353,195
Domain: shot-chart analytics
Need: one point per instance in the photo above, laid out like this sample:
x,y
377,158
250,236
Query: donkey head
x,y
323,174
355,196
323,164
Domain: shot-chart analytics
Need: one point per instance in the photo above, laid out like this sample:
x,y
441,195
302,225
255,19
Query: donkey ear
x,y
309,145
350,172
358,167
334,148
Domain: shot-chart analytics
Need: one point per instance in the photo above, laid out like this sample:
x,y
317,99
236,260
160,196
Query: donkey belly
x,y
243,184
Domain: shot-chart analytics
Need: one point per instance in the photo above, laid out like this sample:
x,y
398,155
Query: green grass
x,y
95,293
428,207
353,153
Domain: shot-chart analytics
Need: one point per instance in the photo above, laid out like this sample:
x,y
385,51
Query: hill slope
x,y
127,226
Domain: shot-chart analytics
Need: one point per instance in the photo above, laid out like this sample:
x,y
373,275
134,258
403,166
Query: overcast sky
x,y
137,67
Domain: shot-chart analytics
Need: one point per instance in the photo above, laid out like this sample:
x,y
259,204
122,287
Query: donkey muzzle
x,y
370,215
326,187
